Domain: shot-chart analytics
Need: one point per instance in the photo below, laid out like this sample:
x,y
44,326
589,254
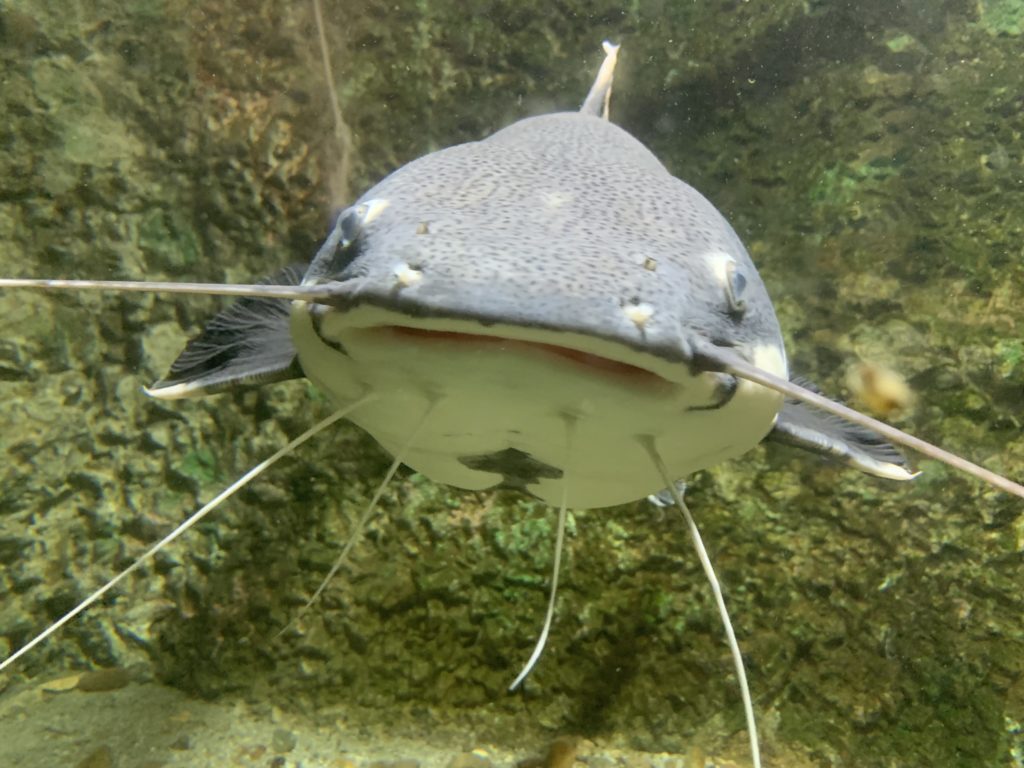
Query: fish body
x,y
541,294
551,273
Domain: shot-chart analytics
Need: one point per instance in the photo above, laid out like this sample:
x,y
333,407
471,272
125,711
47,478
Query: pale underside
x,y
551,413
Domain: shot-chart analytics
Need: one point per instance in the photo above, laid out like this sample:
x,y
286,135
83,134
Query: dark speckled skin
x,y
556,222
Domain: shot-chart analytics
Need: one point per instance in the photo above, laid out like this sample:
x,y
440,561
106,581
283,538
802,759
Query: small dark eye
x,y
735,285
343,244
352,220
350,223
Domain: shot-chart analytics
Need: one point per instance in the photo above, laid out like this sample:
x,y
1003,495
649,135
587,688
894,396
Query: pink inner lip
x,y
586,359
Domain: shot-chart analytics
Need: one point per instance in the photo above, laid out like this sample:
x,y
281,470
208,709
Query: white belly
x,y
503,404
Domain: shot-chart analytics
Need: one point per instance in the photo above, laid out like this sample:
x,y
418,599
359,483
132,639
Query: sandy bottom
x,y
128,724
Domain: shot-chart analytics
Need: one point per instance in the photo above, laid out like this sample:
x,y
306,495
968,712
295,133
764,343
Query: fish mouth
x,y
579,358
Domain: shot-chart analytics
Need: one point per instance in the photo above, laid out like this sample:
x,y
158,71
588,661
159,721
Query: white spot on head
x,y
557,199
406,276
718,262
639,313
371,209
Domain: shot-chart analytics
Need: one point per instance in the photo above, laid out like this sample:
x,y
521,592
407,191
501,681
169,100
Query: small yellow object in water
x,y
881,390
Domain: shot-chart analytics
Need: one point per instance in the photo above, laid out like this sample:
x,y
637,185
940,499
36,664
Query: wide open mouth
x,y
603,366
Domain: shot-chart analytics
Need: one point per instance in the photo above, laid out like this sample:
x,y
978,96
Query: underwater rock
x,y
283,740
101,757
104,680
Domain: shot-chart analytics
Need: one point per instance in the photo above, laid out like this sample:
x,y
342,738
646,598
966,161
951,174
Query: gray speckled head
x,y
562,222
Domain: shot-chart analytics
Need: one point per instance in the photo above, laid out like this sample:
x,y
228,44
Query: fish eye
x,y
343,245
735,286
352,220
732,279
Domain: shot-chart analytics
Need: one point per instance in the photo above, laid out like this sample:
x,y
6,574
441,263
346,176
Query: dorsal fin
x,y
600,95
250,342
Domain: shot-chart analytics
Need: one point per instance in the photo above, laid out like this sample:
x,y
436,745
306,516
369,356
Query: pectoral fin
x,y
824,433
710,357
248,343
